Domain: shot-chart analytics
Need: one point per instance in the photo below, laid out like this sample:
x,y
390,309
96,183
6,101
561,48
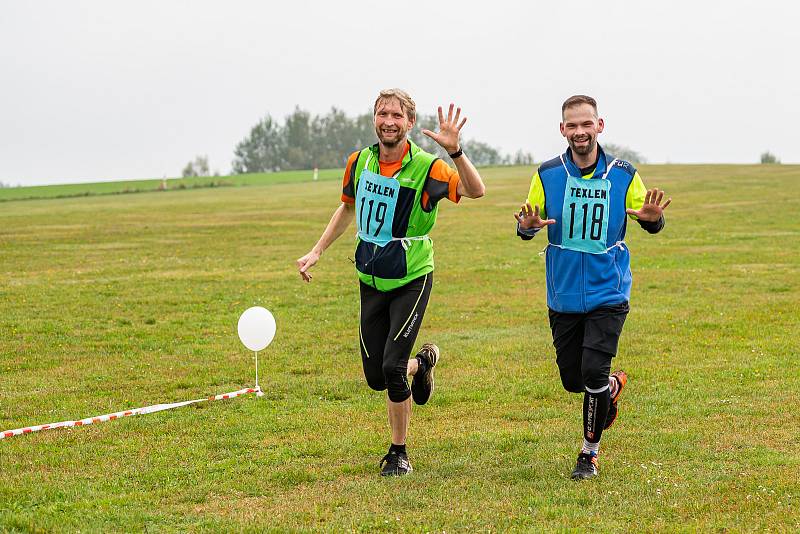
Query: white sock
x,y
613,385
590,448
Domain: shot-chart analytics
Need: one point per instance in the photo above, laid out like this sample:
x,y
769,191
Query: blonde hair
x,y
406,103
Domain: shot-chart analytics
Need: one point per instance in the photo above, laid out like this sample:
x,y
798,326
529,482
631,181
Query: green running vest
x,y
409,254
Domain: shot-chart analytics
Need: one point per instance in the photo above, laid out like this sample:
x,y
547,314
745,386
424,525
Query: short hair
x,y
577,100
406,103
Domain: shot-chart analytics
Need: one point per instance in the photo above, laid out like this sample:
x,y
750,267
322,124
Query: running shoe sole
x,y
422,387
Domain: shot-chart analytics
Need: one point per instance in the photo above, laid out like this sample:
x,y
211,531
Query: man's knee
x,y
595,368
399,394
378,383
594,379
571,380
396,381
373,374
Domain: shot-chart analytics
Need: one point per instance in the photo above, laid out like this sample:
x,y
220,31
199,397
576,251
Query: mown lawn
x,y
120,301
162,185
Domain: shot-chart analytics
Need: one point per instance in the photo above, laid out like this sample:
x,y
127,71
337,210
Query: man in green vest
x,y
393,189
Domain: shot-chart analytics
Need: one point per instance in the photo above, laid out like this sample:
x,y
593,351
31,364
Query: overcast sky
x,y
104,90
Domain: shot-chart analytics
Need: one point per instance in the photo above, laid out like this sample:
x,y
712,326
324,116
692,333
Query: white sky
x,y
106,90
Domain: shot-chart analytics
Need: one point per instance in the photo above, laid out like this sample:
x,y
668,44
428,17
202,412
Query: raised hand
x,y
528,217
449,130
653,208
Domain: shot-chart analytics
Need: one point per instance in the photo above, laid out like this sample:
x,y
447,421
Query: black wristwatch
x,y
457,154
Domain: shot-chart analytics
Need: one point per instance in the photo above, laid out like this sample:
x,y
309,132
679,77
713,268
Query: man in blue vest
x,y
584,198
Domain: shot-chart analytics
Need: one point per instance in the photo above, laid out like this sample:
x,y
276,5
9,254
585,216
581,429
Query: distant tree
x,y
303,142
299,150
364,131
335,136
327,133
427,122
769,157
623,152
522,158
480,153
198,167
261,150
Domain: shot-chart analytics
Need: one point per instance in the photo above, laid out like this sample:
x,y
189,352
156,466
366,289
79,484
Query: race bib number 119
x,y
376,198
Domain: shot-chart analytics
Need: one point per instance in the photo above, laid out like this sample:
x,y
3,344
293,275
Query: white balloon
x,y
256,328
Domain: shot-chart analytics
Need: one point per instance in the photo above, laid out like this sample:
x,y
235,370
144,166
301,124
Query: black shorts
x,y
390,322
585,344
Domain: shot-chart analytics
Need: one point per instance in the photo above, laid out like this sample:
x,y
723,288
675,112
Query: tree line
x,y
306,141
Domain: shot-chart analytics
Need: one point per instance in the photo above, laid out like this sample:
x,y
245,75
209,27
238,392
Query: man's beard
x,y
583,150
401,136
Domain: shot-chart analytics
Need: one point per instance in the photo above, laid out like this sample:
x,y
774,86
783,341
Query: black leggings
x,y
390,322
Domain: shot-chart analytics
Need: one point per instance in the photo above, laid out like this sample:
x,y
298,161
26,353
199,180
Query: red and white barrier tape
x,y
127,413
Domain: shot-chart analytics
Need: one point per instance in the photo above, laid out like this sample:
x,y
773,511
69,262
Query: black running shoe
x,y
422,383
586,467
395,464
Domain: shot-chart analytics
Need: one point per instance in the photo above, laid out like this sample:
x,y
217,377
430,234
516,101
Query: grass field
x,y
120,301
165,185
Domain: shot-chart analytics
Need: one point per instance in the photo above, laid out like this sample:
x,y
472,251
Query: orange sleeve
x,y
348,181
442,183
444,172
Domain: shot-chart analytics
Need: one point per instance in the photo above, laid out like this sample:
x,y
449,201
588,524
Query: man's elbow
x,y
478,192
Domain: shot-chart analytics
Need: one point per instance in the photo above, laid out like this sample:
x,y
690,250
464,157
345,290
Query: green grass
x,y
170,184
120,301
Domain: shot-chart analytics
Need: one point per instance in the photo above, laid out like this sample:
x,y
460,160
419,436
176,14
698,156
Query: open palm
x,y
449,129
528,217
652,209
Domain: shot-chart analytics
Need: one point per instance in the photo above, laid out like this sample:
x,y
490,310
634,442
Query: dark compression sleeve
x,y
653,227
